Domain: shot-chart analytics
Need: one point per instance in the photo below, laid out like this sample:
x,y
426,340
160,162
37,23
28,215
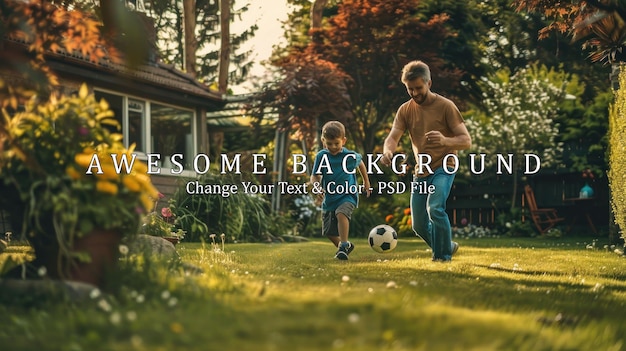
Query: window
x,y
133,127
169,130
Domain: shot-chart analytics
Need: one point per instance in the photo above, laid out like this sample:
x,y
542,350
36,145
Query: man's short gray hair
x,y
415,69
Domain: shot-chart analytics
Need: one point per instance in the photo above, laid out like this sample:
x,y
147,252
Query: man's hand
x,y
387,156
435,137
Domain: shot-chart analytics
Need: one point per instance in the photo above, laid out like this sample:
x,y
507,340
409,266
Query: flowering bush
x,y
401,221
52,178
472,231
588,174
161,224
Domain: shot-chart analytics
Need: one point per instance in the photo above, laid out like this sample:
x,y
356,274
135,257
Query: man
x,y
436,129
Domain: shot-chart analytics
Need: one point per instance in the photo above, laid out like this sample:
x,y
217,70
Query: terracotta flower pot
x,y
102,246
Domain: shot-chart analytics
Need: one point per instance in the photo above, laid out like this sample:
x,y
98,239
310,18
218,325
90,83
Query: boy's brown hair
x,y
333,130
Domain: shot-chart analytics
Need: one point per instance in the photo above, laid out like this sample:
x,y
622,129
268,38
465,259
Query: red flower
x,y
587,173
166,212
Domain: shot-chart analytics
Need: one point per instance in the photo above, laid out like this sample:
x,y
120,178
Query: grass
x,y
497,294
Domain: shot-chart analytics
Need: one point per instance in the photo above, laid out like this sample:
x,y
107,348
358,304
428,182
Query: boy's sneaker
x,y
344,251
350,247
455,247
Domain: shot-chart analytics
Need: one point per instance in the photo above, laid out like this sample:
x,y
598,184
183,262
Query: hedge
x,y
617,152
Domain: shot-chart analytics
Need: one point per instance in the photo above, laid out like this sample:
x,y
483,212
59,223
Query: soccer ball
x,y
383,238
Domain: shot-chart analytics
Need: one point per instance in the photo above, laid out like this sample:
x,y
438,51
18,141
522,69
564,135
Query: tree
x,y
599,23
488,35
172,20
519,118
46,26
310,87
371,40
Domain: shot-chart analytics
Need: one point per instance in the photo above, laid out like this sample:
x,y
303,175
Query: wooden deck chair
x,y
544,218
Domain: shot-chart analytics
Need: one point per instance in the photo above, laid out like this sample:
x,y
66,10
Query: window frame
x,y
146,124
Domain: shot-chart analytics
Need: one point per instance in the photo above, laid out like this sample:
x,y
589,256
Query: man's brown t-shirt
x,y
436,113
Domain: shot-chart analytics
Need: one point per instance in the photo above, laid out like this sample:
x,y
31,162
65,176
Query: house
x,y
161,109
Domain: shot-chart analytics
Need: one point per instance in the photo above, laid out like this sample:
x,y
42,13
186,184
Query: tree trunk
x,y
191,44
317,9
222,83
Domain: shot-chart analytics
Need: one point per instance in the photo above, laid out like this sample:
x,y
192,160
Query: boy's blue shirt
x,y
339,177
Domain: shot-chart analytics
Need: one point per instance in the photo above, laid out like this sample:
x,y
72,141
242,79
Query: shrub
x,y
511,224
472,231
304,214
239,215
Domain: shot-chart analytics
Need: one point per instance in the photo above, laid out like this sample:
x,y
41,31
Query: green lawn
x,y
497,294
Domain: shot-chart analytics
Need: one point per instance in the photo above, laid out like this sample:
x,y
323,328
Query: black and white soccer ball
x,y
383,238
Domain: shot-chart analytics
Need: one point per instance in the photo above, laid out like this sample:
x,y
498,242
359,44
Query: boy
x,y
334,172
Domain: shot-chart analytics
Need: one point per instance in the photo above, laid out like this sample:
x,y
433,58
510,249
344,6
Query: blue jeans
x,y
428,213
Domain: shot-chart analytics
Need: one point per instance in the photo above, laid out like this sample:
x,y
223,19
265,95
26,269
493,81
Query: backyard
x,y
497,294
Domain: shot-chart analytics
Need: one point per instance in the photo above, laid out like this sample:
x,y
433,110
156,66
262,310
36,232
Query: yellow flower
x,y
72,173
144,180
146,201
83,160
84,90
131,183
107,187
140,167
108,172
152,191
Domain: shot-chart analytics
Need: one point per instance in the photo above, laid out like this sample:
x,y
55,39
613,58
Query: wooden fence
x,y
479,202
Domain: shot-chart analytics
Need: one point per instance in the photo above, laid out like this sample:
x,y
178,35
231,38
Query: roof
x,y
154,79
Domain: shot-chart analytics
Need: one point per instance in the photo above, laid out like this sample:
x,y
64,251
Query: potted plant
x,y
60,179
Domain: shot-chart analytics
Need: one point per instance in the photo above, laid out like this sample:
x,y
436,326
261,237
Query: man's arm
x,y
391,144
460,140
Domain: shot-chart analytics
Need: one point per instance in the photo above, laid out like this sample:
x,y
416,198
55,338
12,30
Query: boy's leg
x,y
343,215
330,228
343,225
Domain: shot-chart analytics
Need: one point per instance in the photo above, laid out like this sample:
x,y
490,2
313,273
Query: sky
x,y
268,15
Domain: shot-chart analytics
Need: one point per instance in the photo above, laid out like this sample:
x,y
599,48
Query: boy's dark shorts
x,y
329,218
